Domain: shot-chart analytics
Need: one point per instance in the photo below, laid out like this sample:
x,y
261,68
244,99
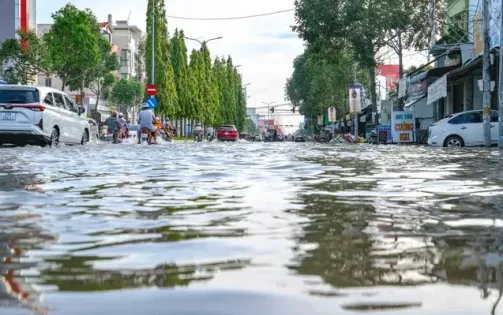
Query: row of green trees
x,y
203,89
341,34
74,50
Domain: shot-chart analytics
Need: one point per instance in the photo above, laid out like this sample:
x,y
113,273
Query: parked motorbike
x,y
373,139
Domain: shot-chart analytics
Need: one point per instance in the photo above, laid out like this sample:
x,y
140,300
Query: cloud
x,y
282,35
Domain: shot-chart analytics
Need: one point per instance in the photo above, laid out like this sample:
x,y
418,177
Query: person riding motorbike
x,y
124,124
210,133
147,120
198,130
114,125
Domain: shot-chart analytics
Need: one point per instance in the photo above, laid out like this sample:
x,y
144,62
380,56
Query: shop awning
x,y
414,101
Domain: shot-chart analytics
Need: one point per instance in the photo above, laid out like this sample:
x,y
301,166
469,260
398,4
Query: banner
x,y
437,90
320,120
475,31
354,99
331,114
403,126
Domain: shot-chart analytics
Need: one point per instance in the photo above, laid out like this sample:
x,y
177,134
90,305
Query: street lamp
x,y
246,84
237,66
204,41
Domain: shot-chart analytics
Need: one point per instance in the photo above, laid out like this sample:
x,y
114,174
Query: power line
x,y
228,18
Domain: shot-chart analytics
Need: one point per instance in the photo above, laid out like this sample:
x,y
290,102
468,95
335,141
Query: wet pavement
x,y
250,228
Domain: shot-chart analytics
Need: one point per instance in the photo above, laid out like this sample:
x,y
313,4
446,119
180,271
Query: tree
x,y
210,94
182,75
24,58
250,126
240,102
126,93
317,83
411,25
139,58
197,83
361,25
73,44
99,79
164,75
221,85
230,93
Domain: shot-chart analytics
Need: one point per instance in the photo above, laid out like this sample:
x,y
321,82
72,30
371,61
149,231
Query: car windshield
x,y
19,96
227,127
443,120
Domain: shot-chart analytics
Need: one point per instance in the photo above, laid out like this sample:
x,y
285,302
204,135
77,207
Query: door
x,y
494,127
65,129
77,123
52,116
471,128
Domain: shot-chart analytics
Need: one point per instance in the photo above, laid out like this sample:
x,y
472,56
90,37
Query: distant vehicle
x,y
462,129
227,133
40,116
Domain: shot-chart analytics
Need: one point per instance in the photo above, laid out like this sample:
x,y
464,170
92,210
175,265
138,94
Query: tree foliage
x,y
74,46
24,58
164,74
317,83
127,92
181,72
364,27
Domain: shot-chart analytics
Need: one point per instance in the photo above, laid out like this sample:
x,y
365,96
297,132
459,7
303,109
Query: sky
x,y
264,47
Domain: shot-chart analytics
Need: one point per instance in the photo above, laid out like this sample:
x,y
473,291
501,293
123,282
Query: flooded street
x,y
250,228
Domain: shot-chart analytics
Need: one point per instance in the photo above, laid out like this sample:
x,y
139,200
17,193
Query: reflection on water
x,y
351,228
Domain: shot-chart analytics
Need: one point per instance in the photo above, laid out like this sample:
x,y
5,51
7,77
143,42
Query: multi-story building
x,y
17,15
127,38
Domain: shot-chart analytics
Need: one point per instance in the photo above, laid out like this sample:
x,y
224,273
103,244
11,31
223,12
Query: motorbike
x,y
198,136
145,136
165,135
210,137
373,137
111,136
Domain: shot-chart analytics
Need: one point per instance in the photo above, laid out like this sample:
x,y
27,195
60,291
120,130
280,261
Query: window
x,y
48,82
125,75
59,100
19,96
125,57
468,118
49,100
71,105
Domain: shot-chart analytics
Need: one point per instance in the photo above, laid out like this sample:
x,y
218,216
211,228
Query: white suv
x,y
462,129
40,116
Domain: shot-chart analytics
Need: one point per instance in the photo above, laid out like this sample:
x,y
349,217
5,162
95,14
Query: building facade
x,y
127,38
17,15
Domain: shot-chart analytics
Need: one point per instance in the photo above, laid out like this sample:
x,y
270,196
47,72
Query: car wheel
x,y
85,138
454,141
54,138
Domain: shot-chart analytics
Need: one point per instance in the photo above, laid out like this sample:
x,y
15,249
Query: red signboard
x,y
391,74
151,89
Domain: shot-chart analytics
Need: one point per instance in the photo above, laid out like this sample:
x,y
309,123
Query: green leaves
x,y
127,92
74,46
23,58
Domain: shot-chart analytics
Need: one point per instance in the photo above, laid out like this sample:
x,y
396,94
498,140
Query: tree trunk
x,y
97,115
372,73
400,55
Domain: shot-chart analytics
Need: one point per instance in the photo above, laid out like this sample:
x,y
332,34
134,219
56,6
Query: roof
x,y
103,24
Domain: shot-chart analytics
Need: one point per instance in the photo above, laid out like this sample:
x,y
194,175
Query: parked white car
x,y
462,129
40,116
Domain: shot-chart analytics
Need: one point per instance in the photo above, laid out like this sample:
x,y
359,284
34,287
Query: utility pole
x,y
500,89
486,76
355,115
153,41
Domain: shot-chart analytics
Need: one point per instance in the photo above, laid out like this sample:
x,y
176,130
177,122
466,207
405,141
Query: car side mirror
x,y
82,110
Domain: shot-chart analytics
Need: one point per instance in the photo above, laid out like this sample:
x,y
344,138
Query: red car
x,y
227,133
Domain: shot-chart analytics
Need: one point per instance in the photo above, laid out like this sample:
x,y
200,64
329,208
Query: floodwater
x,y
250,228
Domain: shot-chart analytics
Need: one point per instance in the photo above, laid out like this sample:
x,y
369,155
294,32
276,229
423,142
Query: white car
x,y
462,129
40,116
